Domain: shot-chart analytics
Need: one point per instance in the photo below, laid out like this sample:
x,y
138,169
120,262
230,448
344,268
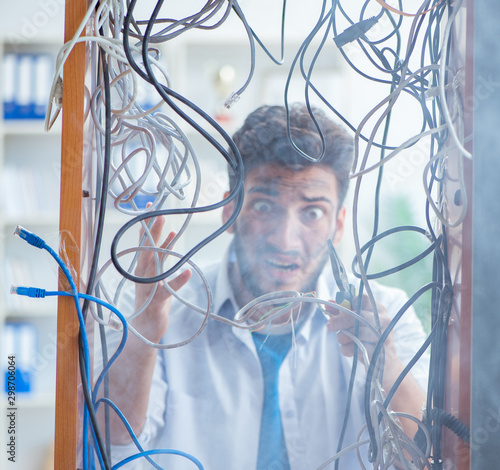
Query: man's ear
x,y
339,231
227,211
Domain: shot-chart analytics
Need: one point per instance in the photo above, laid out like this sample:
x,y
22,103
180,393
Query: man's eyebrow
x,y
317,199
269,190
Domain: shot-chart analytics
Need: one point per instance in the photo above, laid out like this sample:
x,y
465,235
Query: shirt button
x,y
289,414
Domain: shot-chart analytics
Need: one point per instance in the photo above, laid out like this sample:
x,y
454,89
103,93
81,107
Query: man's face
x,y
282,230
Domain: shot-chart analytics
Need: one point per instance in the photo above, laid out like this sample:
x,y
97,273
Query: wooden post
x,y
67,379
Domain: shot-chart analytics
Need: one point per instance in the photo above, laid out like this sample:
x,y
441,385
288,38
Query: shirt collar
x,y
223,289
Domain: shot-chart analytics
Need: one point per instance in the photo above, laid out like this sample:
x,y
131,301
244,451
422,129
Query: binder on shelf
x,y
26,85
9,85
24,89
20,340
43,74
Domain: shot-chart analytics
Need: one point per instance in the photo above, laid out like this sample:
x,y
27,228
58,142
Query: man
x,y
274,398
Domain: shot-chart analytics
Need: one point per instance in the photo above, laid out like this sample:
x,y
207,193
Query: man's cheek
x,y
316,251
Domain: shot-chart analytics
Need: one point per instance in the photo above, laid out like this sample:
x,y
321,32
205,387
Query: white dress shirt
x,y
207,396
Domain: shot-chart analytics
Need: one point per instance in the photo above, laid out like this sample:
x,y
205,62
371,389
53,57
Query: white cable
x,y
69,47
405,145
113,47
441,82
390,100
204,280
344,451
462,189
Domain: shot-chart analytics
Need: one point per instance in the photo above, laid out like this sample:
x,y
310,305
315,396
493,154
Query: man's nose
x,y
285,232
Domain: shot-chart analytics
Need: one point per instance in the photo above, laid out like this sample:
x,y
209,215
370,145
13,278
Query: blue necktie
x,y
272,350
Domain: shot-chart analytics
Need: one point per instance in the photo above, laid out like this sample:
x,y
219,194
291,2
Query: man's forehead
x,y
273,179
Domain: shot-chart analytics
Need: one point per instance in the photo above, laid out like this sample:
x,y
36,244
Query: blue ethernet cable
x,y
36,292
145,453
110,307
158,451
125,422
38,242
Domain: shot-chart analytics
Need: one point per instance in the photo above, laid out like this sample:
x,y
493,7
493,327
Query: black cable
x,y
439,346
370,244
309,84
236,166
373,363
443,418
195,21
356,332
240,14
93,269
393,32
412,362
86,387
440,317
350,388
101,202
416,88
303,47
165,92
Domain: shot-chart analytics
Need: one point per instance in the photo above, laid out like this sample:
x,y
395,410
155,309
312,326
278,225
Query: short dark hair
x,y
263,139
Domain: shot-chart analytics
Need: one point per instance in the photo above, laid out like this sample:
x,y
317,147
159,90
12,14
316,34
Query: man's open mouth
x,y
282,266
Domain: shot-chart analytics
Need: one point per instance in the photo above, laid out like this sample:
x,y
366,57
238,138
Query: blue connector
x,y
34,292
31,238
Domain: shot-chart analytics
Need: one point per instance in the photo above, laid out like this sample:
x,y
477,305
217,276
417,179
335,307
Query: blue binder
x,y
26,85
20,340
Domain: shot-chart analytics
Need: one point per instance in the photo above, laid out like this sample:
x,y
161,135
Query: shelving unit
x,y
29,196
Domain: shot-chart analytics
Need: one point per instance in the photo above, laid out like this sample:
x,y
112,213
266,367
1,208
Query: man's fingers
x,y
331,309
365,302
175,284
342,321
344,325
167,240
348,351
146,264
155,230
180,280
162,293
365,335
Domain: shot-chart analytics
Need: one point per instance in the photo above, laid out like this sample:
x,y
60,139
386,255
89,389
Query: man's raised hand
x,y
153,321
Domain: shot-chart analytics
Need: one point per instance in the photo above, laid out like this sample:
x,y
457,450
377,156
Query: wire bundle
x,y
432,81
143,154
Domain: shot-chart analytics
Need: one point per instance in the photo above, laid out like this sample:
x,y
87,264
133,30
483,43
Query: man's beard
x,y
251,279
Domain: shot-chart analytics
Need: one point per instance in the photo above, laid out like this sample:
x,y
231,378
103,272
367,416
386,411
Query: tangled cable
x,y
147,165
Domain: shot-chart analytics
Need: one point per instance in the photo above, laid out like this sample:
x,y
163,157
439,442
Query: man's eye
x,y
314,213
263,207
